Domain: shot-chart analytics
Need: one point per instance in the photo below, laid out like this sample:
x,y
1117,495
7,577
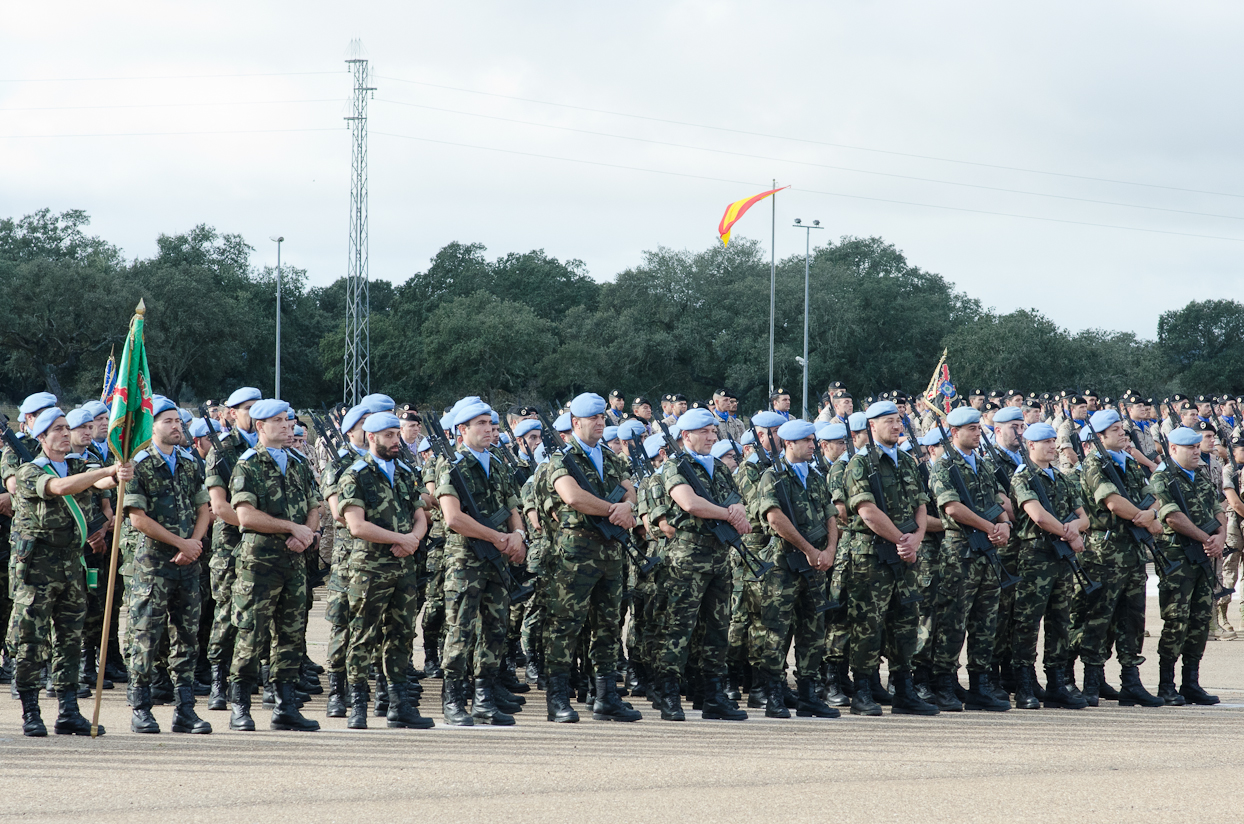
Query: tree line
x,y
529,327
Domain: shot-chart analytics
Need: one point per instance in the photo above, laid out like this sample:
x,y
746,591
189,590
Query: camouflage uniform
x,y
9,464
1047,586
588,574
656,504
225,541
164,595
746,603
1232,478
433,623
538,553
383,588
96,596
271,588
643,587
1067,430
837,623
1009,556
1186,595
975,589
337,602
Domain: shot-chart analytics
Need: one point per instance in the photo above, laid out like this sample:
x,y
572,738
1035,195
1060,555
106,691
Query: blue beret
x,y
654,444
767,419
905,446
380,421
379,403
187,417
49,416
695,419
931,438
675,431
962,416
587,405
526,426
796,430
268,408
471,411
562,424
461,402
299,431
198,429
880,408
831,432
37,403
246,393
423,446
290,414
494,417
747,438
1040,432
96,408
447,423
1103,419
505,438
611,434
857,421
1086,434
79,417
722,448
630,428
352,418
1180,436
160,405
1008,414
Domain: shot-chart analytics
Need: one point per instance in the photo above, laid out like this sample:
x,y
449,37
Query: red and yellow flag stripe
x,y
736,210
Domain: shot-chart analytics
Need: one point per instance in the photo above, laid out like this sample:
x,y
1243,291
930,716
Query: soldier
x,y
412,431
1069,433
779,402
1233,500
729,426
977,399
641,408
792,602
588,573
934,567
52,508
1032,410
167,504
616,413
476,600
1186,595
876,591
698,579
977,588
1047,585
1005,452
274,496
379,499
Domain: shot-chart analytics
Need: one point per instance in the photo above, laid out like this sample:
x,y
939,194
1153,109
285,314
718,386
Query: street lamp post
x,y
279,241
807,249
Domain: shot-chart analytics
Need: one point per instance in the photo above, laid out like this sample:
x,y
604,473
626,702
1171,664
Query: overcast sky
x,y
1030,111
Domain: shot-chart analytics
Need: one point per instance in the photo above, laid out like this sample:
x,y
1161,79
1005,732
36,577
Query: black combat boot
x,y
402,712
143,720
360,696
1133,694
506,678
484,708
268,701
453,702
906,701
382,696
810,704
944,697
609,705
1004,672
1166,684
1191,689
638,682
922,679
557,700
507,701
1024,697
432,664
337,707
114,665
218,699
1106,691
70,721
862,702
90,668
1058,694
286,716
775,704
1094,677
240,706
980,694
309,681
834,696
717,707
758,695
1037,689
185,719
32,720
532,674
995,685
202,678
734,680
671,700
162,691
789,698
880,694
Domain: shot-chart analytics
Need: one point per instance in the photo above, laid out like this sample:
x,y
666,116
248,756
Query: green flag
x,y
131,418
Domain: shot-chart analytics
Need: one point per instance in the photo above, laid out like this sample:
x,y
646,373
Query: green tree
x,y
1204,343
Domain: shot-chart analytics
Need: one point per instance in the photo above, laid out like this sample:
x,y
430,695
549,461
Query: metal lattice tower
x,y
357,373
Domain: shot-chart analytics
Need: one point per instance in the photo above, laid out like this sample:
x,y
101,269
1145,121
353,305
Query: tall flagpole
x,y
772,281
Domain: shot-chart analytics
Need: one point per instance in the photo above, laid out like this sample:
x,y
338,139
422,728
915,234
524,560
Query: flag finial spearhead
x,y
142,307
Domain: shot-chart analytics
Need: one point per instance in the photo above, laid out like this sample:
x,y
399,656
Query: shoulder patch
x,y
142,456
247,455
359,464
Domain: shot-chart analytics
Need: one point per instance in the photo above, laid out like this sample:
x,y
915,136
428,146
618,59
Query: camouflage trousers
x,y
269,599
974,592
745,605
6,595
337,614
96,599
1043,599
1186,599
164,598
49,608
1116,611
876,614
697,585
936,572
1009,556
433,624
788,608
838,621
383,606
223,574
477,606
652,638
584,588
531,633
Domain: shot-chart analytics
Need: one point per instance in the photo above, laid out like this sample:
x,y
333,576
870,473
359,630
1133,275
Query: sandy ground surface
x,y
1107,764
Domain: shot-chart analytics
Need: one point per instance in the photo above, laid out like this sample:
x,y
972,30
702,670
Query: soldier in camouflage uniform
x,y
92,421
654,511
433,621
52,507
539,531
1004,449
1186,595
838,687
1047,585
588,572
1069,433
167,504
476,595
274,496
1233,503
977,585
379,498
698,582
933,566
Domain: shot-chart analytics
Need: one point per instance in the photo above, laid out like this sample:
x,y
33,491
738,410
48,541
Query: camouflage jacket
x,y
390,506
44,517
833,482
900,484
747,479
616,471
1095,488
8,458
1233,478
492,491
719,487
655,503
233,446
1198,494
171,499
982,484
1063,494
810,503
258,481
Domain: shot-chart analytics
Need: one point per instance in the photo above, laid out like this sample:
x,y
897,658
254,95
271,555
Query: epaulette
x,y
76,456
41,461
404,466
359,464
247,455
142,456
341,453
298,454
190,456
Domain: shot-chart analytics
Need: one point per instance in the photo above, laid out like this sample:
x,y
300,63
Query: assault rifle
x,y
14,442
521,473
327,431
1194,551
1062,550
223,456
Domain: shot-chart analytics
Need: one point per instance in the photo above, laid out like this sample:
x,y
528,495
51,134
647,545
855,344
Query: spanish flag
x,y
736,210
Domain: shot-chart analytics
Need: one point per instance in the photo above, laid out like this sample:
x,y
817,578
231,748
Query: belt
x,y
696,539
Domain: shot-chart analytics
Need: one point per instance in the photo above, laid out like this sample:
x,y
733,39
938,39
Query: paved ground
x,y
1109,764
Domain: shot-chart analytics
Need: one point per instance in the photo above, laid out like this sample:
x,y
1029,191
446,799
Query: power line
x,y
814,142
812,164
153,77
165,134
171,105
